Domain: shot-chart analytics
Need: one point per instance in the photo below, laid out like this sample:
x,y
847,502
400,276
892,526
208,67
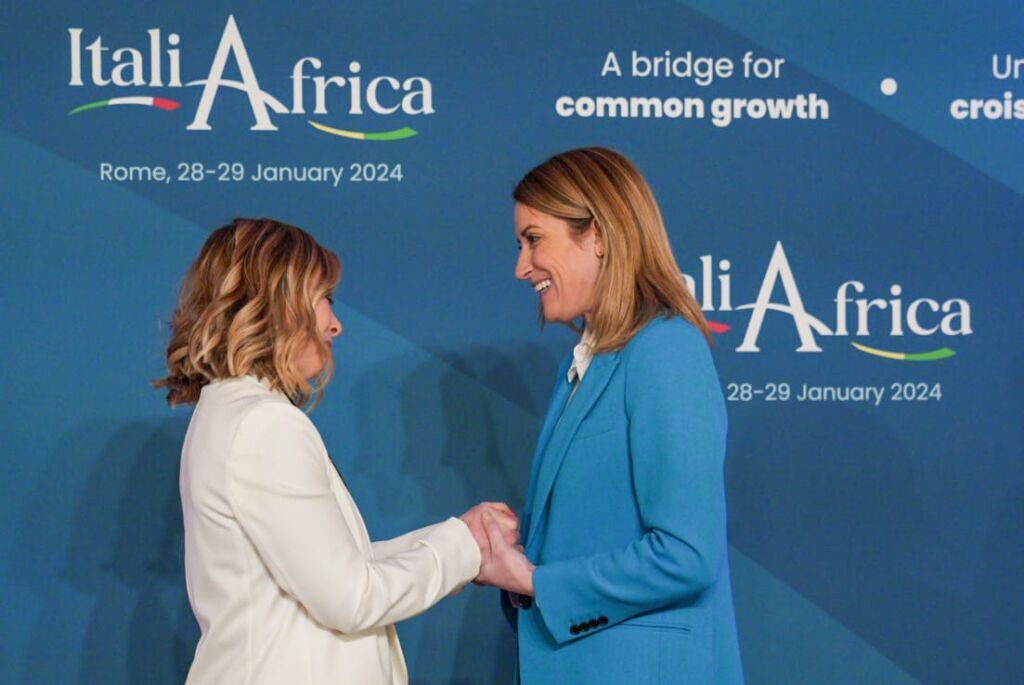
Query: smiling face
x,y
311,363
561,265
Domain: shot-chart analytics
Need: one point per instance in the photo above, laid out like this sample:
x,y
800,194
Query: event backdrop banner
x,y
842,183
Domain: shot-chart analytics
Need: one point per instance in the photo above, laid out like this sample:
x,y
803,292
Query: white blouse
x,y
581,356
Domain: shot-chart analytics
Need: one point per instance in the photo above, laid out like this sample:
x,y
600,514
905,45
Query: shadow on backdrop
x,y
123,555
455,441
996,614
862,519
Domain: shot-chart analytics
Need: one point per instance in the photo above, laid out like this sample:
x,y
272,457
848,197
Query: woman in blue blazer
x,y
625,576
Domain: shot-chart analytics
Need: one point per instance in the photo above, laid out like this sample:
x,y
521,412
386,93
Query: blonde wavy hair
x,y
639,278
248,306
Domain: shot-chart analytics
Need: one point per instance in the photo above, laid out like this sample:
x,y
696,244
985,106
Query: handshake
x,y
502,563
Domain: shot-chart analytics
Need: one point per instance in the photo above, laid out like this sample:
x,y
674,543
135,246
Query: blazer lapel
x,y
552,452
555,406
347,504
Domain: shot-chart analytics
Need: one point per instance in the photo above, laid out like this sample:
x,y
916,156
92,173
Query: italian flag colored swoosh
x,y
933,355
397,134
159,103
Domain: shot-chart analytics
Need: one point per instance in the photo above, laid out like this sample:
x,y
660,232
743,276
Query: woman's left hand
x,y
506,566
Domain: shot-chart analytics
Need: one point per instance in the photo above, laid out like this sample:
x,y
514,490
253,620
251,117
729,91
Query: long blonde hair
x,y
248,306
639,277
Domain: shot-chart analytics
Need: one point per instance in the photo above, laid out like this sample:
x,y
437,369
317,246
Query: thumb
x,y
494,534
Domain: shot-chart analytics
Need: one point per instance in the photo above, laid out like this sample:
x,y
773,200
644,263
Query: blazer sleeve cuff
x,y
452,542
566,615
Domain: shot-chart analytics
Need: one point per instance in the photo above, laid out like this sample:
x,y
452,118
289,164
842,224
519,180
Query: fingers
x,y
502,513
500,509
495,535
502,518
500,506
507,567
509,528
505,517
476,529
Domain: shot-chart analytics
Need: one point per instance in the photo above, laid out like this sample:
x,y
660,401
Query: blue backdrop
x,y
830,176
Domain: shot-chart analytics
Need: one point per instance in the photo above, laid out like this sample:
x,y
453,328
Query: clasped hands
x,y
496,530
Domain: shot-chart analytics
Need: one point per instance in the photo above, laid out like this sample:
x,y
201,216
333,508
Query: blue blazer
x,y
625,520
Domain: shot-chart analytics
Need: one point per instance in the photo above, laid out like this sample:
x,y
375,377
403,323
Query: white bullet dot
x,y
889,86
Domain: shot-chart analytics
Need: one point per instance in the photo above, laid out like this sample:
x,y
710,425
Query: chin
x,y
555,316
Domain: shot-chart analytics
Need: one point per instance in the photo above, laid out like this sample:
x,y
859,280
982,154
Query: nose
x,y
524,265
335,328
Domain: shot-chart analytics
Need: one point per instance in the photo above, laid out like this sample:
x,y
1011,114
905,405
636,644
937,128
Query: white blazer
x,y
281,573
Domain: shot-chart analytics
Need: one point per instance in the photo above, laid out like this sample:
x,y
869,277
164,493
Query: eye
x,y
529,239
330,298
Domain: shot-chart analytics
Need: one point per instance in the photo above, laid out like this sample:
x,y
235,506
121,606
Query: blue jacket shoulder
x,y
662,334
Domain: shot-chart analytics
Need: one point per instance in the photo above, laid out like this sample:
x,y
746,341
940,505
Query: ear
x,y
598,239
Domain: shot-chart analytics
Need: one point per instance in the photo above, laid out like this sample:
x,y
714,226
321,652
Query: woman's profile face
x,y
311,362
561,267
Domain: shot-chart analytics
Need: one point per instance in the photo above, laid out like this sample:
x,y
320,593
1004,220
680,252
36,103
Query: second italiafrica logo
x,y
855,314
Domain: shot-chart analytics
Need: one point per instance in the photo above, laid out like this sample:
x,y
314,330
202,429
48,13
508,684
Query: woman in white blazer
x,y
282,576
